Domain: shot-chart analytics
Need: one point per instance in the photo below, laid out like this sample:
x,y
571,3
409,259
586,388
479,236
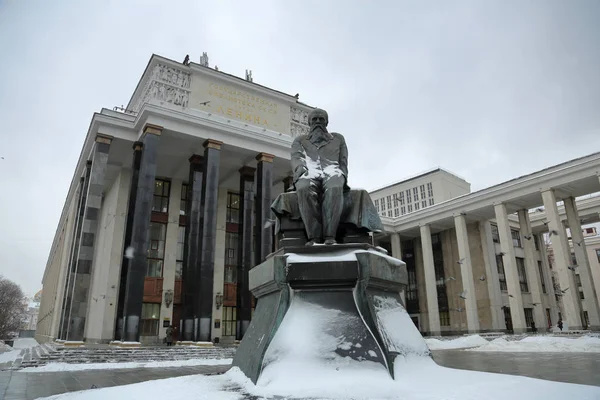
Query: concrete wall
x,y
108,253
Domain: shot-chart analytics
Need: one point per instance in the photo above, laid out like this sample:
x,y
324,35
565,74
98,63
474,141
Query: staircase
x,y
51,353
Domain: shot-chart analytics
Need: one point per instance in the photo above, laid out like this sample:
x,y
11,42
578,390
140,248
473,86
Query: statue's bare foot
x,y
312,242
330,241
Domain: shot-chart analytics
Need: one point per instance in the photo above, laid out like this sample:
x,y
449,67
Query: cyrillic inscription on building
x,y
238,103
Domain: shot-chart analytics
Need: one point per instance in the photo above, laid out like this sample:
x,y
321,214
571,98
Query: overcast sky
x,y
489,90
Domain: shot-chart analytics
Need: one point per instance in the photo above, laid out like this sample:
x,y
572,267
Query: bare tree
x,y
13,307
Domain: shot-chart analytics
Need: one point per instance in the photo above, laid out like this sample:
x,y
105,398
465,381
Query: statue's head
x,y
318,118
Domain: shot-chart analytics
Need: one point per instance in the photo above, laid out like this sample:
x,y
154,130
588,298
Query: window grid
x,y
179,255
422,187
160,202
528,316
396,212
377,205
408,197
156,249
410,208
228,322
516,237
233,208
416,194
522,274
495,233
424,204
501,276
417,206
401,197
431,201
403,210
429,189
389,202
542,280
183,200
150,319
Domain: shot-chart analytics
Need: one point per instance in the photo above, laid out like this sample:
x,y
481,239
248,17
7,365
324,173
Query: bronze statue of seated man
x,y
320,176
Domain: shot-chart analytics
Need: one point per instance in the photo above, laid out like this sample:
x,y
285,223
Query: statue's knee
x,y
336,182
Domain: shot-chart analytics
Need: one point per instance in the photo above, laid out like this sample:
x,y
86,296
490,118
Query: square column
x,y
264,184
583,264
135,173
244,297
466,273
491,272
396,245
68,291
87,240
562,260
191,251
138,264
433,312
515,300
533,274
208,239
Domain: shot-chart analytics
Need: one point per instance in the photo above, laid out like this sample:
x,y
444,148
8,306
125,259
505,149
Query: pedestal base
x,y
344,298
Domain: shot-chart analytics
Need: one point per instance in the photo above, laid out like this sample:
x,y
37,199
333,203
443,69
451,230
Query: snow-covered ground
x,y
54,367
549,344
25,343
540,343
414,378
13,353
458,343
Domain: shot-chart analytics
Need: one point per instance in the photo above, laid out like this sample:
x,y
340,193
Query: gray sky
x,y
487,89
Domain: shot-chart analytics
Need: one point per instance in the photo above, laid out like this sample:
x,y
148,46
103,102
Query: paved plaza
x,y
579,368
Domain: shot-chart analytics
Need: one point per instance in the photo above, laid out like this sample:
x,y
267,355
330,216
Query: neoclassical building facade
x,y
167,206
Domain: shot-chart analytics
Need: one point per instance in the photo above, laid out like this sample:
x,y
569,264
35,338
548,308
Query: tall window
x,y
423,203
149,320
429,189
410,208
586,319
522,274
501,276
395,201
229,321
431,201
516,237
440,277
579,287
416,194
389,213
382,204
542,280
528,316
412,293
396,212
536,241
156,249
179,255
401,197
495,233
160,202
408,198
233,208
377,205
389,202
422,188
416,206
184,198
403,210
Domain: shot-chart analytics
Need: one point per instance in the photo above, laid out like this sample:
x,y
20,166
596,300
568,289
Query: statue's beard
x,y
320,131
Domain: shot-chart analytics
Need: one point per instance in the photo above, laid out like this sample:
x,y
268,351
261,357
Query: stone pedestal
x,y
356,283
